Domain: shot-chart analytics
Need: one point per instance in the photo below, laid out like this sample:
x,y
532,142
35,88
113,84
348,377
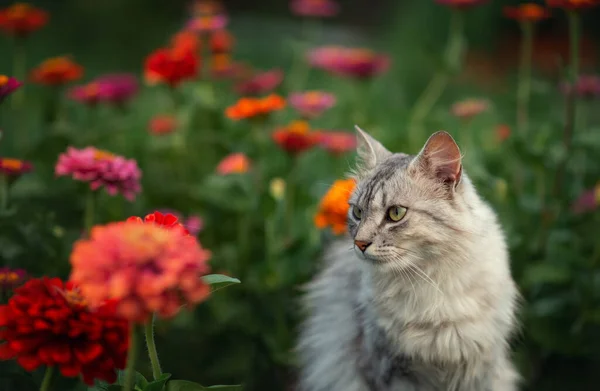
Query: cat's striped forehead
x,y
374,185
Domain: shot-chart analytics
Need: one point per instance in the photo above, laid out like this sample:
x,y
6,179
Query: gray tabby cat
x,y
425,300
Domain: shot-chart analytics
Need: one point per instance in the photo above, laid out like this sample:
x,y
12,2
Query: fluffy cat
x,y
424,299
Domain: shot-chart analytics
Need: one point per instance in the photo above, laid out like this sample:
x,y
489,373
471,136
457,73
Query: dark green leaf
x,y
184,385
546,273
158,384
219,281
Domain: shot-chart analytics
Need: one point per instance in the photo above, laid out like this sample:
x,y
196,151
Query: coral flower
x,y
469,108
350,62
235,163
88,94
167,221
311,104
7,86
186,41
162,124
145,268
255,107
572,5
22,19
101,168
527,12
261,83
586,87
57,71
296,137
461,4
14,167
315,8
47,322
333,209
171,66
11,278
338,143
221,41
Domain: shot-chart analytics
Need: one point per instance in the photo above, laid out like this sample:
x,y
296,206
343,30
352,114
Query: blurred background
x,y
245,333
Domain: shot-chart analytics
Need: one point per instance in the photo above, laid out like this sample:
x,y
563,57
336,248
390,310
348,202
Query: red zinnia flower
x,y
162,124
22,19
57,71
221,41
186,41
168,221
528,12
461,4
14,167
261,83
171,66
7,86
296,137
46,322
572,5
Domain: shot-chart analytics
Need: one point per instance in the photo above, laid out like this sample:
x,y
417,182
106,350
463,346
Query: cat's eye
x,y
356,212
396,213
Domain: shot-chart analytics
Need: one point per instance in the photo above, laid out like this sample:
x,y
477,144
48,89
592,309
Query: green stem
x,y
3,192
574,39
47,381
131,358
152,352
89,212
453,55
425,103
524,88
290,195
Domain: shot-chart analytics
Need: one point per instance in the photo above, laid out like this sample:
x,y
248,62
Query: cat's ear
x,y
370,151
440,158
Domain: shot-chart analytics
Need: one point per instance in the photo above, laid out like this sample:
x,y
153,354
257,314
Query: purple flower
x,y
7,86
315,8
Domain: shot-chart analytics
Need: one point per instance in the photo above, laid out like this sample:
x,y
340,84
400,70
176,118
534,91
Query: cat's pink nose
x,y
362,245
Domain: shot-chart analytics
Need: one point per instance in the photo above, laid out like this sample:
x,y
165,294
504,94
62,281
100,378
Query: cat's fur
x,y
430,305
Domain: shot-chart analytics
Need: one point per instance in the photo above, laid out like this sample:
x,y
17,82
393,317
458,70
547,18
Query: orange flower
x,y
57,71
254,107
235,163
21,19
572,4
528,12
185,41
333,209
296,137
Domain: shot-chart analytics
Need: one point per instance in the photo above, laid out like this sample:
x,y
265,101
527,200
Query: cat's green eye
x,y
356,212
396,213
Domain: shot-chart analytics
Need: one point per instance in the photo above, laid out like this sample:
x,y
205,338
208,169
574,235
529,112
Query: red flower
x,y
171,66
168,221
21,19
528,12
572,4
57,71
296,137
47,322
162,124
221,41
338,142
186,41
260,83
461,4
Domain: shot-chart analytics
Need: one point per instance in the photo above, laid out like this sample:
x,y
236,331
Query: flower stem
x,y
152,352
131,358
290,195
89,212
47,381
524,88
3,192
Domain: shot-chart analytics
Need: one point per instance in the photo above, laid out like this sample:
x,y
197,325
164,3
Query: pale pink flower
x,y
311,104
101,169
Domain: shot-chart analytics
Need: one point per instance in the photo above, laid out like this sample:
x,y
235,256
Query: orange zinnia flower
x,y
572,4
57,71
296,137
528,12
235,163
333,210
254,107
21,19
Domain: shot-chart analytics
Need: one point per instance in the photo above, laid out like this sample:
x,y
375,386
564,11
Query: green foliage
x,y
184,385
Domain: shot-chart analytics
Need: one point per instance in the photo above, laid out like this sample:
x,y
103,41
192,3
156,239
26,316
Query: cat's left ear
x,y
441,159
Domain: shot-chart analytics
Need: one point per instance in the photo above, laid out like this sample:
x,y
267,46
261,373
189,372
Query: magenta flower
x,y
87,94
586,87
311,104
350,62
261,83
193,223
338,143
117,88
101,168
11,278
7,86
315,8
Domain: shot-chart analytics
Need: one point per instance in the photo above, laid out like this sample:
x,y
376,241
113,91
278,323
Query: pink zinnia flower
x,y
7,86
312,103
117,88
88,94
586,87
350,62
261,83
338,142
235,163
101,168
469,108
316,8
144,268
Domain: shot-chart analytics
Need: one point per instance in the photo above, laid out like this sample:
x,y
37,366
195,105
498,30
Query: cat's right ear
x,y
370,151
441,159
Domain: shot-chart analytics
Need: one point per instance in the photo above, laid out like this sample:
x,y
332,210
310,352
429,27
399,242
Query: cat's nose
x,y
362,245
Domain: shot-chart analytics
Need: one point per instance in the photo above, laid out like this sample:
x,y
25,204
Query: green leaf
x,y
219,281
546,273
184,385
158,384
